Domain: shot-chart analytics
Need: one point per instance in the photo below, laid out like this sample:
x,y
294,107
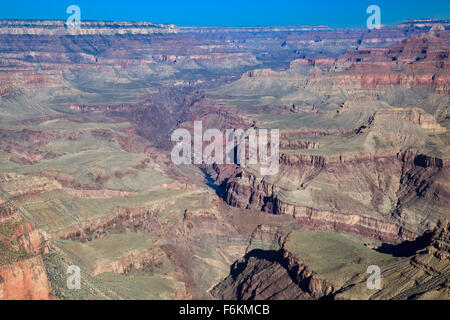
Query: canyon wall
x,y
22,272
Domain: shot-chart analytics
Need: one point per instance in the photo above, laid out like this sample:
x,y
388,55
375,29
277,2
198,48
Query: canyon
x,y
87,179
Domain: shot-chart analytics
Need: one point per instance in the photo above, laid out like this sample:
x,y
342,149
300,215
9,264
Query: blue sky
x,y
230,12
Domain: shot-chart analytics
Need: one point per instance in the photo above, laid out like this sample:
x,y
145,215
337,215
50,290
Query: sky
x,y
344,13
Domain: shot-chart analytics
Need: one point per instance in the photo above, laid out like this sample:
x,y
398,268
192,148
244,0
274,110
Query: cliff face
x,y
22,272
271,275
131,219
296,272
55,28
400,178
423,274
134,261
268,271
439,243
421,61
415,116
24,280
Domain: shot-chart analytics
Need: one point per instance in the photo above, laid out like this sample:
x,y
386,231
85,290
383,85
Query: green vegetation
x,y
140,285
57,210
110,248
335,257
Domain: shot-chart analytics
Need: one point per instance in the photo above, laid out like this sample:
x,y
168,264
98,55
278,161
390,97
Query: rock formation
x,y
22,272
87,179
297,272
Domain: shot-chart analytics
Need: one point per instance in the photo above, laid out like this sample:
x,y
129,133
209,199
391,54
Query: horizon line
x,y
409,20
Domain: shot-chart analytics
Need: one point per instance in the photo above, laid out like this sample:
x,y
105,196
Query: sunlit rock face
x,y
22,271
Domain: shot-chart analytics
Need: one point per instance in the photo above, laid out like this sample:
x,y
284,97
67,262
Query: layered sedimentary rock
x,y
375,165
22,272
86,120
414,115
24,280
271,275
420,61
296,272
55,28
423,275
402,177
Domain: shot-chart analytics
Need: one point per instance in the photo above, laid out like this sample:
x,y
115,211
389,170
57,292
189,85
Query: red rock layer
x,y
421,61
24,280
22,271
